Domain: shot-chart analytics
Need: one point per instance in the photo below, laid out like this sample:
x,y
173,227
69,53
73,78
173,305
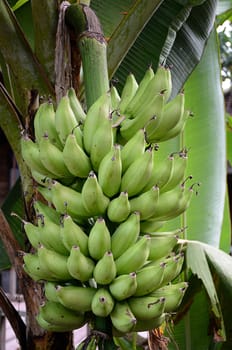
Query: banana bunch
x,y
106,193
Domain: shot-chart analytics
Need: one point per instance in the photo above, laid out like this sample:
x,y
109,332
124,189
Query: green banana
x,y
122,317
105,269
153,110
146,203
104,132
55,263
46,211
100,107
125,235
31,156
57,314
92,344
172,113
173,267
161,245
173,294
99,240
102,303
32,232
72,235
50,291
123,286
41,179
133,149
148,226
162,171
119,208
76,106
65,119
146,325
149,278
80,266
75,158
134,257
46,193
76,298
136,100
93,198
68,201
128,92
147,307
52,159
35,270
110,171
138,174
52,327
115,98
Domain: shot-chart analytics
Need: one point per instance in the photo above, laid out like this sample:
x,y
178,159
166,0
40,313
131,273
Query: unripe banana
x,y
50,291
100,107
41,179
161,246
173,266
125,235
147,307
172,113
146,325
123,286
133,149
110,171
102,303
134,257
75,159
52,327
104,132
31,155
32,233
92,344
128,92
173,294
162,171
46,192
148,226
75,297
153,110
119,208
105,269
99,241
35,270
146,203
72,235
46,211
65,119
122,317
93,198
149,278
52,159
76,106
115,98
178,128
57,314
44,124
55,263
80,266
68,201
138,174
136,100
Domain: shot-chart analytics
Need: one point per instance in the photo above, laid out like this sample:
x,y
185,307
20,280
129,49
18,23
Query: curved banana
x,y
161,245
122,317
46,211
129,89
99,240
76,106
173,267
75,158
35,270
123,286
125,235
149,278
147,307
119,208
75,297
146,203
80,266
32,232
115,98
105,269
93,198
134,257
148,226
102,303
138,174
50,291
52,327
146,325
72,234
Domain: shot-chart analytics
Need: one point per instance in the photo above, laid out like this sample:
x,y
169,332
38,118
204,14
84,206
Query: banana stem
x,y
103,326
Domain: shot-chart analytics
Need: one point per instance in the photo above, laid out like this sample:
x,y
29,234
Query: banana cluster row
x,y
108,191
122,275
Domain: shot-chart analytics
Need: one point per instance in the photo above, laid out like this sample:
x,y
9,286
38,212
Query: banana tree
x,y
47,60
